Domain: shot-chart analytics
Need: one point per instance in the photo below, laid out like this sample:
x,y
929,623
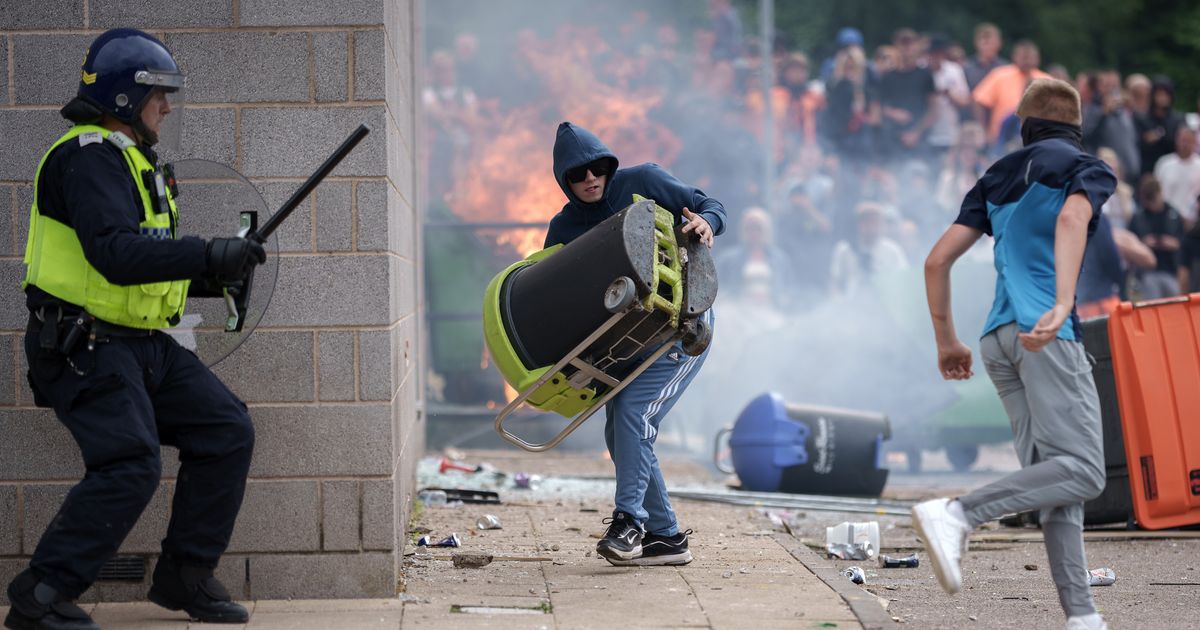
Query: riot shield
x,y
216,201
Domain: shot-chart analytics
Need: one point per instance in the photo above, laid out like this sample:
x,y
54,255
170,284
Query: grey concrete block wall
x,y
330,376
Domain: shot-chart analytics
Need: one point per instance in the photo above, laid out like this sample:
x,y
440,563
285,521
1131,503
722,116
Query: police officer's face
x,y
156,109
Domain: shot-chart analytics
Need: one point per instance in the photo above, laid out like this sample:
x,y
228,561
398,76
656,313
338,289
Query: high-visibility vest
x,y
54,257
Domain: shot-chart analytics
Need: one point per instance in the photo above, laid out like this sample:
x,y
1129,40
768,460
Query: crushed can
x,y
855,574
907,562
449,541
488,521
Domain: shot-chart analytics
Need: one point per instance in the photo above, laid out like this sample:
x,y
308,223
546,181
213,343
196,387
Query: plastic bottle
x,y
432,498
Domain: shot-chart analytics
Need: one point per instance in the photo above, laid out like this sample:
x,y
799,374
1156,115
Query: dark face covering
x,y
1037,129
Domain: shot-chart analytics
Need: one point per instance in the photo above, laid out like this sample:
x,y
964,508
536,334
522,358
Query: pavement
x,y
747,573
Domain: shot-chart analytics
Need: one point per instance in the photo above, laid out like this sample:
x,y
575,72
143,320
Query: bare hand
x,y
1169,243
1046,329
696,223
954,361
910,138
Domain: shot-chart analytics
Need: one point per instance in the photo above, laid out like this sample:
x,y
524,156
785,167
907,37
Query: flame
x,y
508,175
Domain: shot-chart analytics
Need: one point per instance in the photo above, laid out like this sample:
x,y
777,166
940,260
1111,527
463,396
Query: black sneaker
x,y
37,606
661,550
195,591
623,540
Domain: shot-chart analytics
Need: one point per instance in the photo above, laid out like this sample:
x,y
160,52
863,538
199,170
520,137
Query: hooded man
x,y
643,529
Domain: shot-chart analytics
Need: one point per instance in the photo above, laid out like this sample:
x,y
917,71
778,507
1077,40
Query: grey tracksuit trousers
x,y
1051,402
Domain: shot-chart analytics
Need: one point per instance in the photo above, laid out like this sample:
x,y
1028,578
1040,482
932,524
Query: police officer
x,y
105,272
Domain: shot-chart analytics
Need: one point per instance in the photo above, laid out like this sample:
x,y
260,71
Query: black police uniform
x,y
129,390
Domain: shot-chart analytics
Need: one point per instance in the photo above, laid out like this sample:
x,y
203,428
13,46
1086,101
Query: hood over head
x,y
575,146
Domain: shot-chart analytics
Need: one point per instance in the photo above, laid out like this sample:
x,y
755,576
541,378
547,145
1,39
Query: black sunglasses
x,y
599,168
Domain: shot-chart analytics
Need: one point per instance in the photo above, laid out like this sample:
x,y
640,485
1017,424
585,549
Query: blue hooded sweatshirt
x,y
576,146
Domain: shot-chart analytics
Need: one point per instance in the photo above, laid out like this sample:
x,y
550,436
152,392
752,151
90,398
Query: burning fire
x,y
508,177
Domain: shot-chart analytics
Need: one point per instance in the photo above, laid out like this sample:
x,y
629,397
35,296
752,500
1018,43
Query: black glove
x,y
231,259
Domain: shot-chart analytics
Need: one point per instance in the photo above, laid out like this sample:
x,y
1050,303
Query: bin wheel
x,y
697,335
962,456
620,294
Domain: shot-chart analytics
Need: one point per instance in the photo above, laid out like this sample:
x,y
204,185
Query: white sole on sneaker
x,y
610,554
674,560
941,564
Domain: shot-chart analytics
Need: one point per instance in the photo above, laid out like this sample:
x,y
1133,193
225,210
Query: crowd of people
x,y
873,147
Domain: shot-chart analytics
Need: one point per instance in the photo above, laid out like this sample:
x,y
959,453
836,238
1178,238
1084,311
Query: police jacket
x,y
86,183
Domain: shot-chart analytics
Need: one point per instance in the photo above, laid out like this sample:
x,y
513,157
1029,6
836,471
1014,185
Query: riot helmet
x,y
121,70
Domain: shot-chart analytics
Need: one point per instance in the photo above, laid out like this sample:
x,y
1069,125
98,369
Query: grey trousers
x,y
1051,402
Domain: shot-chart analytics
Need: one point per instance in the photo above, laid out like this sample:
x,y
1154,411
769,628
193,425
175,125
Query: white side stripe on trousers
x,y
648,430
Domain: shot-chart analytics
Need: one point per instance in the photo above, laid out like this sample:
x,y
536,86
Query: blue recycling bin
x,y
809,449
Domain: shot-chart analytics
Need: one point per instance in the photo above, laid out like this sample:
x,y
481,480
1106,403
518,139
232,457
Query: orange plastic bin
x,y
1156,365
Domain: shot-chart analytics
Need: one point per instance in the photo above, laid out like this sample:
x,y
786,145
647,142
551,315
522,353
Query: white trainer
x,y
944,529
1087,622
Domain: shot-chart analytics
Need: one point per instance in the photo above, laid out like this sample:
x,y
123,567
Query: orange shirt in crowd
x,y
1001,90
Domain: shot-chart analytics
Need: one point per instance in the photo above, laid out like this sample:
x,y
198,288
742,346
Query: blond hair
x,y
1052,99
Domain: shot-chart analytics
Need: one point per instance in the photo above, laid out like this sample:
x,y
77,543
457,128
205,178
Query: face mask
x,y
1035,129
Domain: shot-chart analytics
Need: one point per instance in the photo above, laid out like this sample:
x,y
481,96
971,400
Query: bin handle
x,y
717,462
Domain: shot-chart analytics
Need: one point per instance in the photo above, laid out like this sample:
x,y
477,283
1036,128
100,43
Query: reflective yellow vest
x,y
55,262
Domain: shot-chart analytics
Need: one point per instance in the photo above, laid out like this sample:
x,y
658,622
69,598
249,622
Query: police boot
x,y
37,606
195,591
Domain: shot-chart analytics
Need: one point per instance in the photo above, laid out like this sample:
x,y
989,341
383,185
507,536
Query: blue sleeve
x,y
1093,178
974,213
660,185
101,207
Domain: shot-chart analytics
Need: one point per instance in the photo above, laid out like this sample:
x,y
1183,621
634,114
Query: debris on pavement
x,y
450,541
1102,577
471,560
797,501
488,521
852,541
906,562
855,574
1031,567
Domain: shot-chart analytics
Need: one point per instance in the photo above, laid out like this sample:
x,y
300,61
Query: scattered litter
x,y
470,560
449,541
432,498
744,571
972,617
789,520
560,562
555,547
855,574
798,501
466,496
892,588
852,541
1102,577
588,510
727,574
587,554
407,598
1031,567
526,481
449,464
906,562
1174,583
1019,597
488,521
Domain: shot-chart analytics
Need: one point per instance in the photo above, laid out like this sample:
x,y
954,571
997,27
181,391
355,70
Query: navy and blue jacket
x,y
1017,201
575,146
